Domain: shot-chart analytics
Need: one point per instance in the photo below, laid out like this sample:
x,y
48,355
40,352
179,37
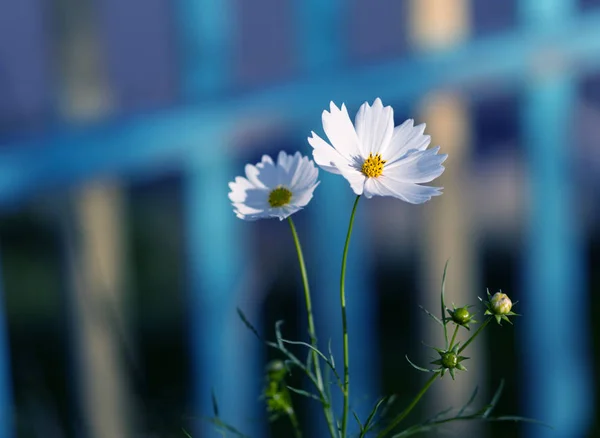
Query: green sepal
x,y
425,370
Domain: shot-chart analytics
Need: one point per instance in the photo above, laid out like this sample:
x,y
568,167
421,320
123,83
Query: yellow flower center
x,y
373,166
279,197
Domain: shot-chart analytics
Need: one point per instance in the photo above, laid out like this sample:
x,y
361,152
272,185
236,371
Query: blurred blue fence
x,y
200,107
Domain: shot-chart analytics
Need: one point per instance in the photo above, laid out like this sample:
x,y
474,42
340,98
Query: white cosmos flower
x,y
274,189
377,158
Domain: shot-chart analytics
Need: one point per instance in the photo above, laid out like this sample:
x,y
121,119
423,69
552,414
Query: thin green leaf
x,y
435,318
468,403
440,414
307,345
310,347
227,427
215,405
390,401
360,425
305,393
248,324
327,387
520,420
428,426
414,430
495,400
278,335
370,423
185,432
331,359
482,415
444,304
425,370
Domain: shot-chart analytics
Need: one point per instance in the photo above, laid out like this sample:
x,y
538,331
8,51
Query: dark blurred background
x,y
122,264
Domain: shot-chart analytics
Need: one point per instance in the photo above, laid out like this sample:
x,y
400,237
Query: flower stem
x,y
409,408
311,329
295,425
346,388
472,338
453,337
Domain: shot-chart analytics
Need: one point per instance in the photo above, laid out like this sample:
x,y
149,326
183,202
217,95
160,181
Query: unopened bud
x,y
500,303
461,316
276,370
449,360
499,306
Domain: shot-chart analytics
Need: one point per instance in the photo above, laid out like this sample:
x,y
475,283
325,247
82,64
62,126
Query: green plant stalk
x,y
295,425
453,337
472,338
346,391
409,408
311,328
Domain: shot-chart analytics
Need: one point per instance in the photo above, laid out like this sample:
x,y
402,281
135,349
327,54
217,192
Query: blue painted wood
x,y
264,50
6,394
556,387
320,37
556,383
138,42
207,27
225,356
132,146
376,30
25,88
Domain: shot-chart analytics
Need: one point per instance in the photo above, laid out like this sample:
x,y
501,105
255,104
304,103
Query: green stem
x,y
409,408
472,338
346,390
453,337
311,329
295,425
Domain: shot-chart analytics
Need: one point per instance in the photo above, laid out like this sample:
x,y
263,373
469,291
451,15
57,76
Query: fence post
x,y
6,391
225,356
559,390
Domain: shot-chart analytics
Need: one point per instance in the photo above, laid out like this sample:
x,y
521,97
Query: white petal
x,y
409,192
238,189
304,176
406,138
373,189
256,198
243,208
287,162
355,178
330,160
250,195
417,167
340,131
374,127
287,210
265,174
325,156
242,211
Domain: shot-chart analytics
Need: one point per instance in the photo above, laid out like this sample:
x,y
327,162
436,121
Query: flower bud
x,y
449,360
276,370
500,304
275,392
461,316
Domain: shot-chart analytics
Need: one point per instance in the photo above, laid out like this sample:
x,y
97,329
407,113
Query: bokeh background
x,y
122,264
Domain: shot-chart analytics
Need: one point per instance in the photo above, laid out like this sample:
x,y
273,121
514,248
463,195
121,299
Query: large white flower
x,y
274,189
377,158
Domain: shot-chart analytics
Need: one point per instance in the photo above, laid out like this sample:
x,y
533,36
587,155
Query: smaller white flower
x,y
377,158
274,189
